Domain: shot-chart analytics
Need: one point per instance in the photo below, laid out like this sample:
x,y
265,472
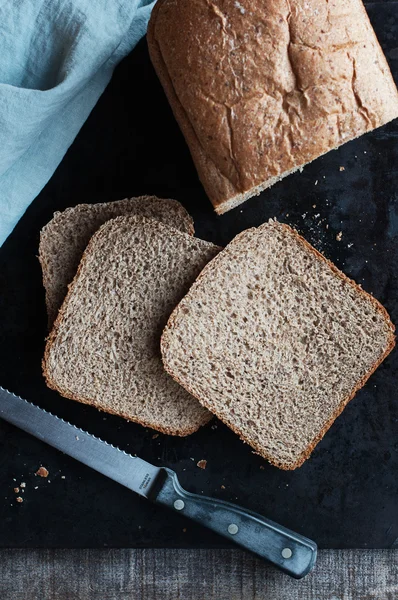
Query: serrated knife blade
x,y
130,471
291,552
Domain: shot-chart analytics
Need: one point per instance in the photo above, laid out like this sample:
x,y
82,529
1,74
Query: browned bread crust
x,y
261,88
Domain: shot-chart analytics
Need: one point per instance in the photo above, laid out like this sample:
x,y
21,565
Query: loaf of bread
x,y
64,239
104,348
275,340
262,87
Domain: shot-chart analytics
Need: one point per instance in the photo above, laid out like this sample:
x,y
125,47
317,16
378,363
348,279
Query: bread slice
x,y
275,340
64,239
262,87
104,349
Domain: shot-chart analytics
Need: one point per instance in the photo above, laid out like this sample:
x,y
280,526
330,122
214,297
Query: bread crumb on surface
x,y
223,487
22,485
155,435
19,499
201,464
16,490
342,168
184,530
42,472
262,467
63,477
339,236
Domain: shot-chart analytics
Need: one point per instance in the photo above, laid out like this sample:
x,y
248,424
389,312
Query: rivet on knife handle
x,y
291,552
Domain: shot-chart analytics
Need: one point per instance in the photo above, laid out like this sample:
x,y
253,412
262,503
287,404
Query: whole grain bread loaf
x,y
262,87
64,239
104,348
275,340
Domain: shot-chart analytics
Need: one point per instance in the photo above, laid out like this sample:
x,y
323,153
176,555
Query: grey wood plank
x,y
191,575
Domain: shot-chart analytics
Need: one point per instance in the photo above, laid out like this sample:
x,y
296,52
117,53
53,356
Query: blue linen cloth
x,y
56,58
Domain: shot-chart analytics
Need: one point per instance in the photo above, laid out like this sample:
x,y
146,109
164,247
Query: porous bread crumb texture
x,y
64,239
262,89
104,348
275,341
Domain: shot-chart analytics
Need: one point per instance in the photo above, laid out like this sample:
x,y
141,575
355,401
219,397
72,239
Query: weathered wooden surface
x,y
191,575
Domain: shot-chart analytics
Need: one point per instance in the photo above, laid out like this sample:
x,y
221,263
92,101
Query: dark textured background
x,y
346,494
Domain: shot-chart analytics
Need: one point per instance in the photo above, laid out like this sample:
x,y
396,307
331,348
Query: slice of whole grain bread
x,y
275,340
104,348
64,239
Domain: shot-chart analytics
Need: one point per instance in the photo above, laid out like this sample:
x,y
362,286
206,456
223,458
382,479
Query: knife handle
x,y
289,551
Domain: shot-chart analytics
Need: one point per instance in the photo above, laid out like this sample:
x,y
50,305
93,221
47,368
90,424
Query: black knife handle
x,y
291,552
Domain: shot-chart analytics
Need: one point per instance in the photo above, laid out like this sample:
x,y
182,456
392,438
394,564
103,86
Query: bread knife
x,y
289,551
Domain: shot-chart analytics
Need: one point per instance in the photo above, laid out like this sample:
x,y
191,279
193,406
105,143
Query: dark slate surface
x,y
346,494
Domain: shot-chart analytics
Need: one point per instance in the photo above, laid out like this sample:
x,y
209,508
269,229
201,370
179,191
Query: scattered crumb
x,y
77,437
342,168
202,464
316,183
223,487
214,426
63,477
317,216
364,152
42,472
287,214
350,245
192,458
19,499
327,226
36,487
155,435
262,467
314,206
48,481
339,236
16,490
22,485
184,530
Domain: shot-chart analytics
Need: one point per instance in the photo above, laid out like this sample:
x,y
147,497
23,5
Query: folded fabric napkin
x,y
56,58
